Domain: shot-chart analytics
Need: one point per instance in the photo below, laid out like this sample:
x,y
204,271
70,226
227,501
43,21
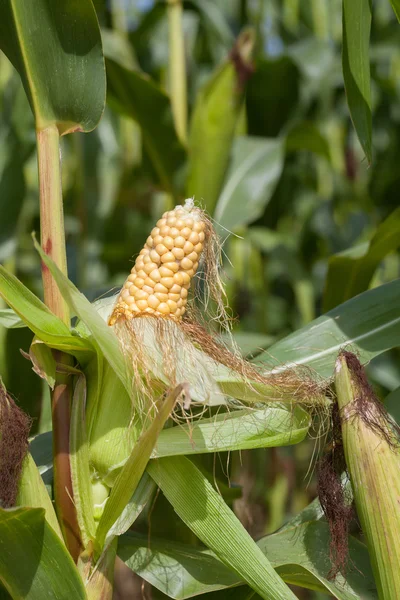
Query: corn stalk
x,y
53,243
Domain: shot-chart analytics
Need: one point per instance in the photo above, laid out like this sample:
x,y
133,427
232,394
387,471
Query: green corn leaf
x,y
28,306
350,272
178,570
112,431
80,465
34,563
56,48
142,495
94,373
368,324
117,47
102,334
312,512
396,7
110,436
356,70
250,343
255,170
10,320
298,554
268,113
43,361
306,136
301,556
132,471
215,23
12,188
204,511
41,449
252,392
238,430
135,95
100,584
215,117
239,593
48,328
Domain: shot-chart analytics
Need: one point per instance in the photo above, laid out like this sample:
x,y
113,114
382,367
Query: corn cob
x,y
160,278
371,445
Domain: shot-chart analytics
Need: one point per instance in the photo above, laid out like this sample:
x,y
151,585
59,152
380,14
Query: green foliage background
x,y
313,224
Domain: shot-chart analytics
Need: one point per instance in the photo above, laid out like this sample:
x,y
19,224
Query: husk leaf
x,y
371,447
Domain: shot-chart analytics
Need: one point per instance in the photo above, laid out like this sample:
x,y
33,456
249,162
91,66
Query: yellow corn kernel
x,y
163,270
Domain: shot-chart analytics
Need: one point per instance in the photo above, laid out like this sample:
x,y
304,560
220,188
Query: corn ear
x,y
160,278
372,456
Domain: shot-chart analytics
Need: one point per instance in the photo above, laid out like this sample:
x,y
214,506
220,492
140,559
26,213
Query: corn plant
x,y
148,382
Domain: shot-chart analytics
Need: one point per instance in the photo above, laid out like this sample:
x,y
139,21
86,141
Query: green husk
x,y
99,585
371,445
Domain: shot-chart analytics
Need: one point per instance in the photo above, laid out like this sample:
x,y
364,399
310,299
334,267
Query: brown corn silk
x,y
371,443
168,339
335,502
363,436
14,431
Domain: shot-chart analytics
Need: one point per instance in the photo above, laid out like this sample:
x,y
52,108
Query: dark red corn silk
x,y
14,431
368,407
337,508
338,511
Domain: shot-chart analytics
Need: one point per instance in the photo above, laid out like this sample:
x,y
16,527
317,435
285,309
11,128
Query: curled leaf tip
x,y
240,56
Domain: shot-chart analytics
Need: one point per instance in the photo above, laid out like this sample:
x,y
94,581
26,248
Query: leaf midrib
x,y
333,349
25,61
